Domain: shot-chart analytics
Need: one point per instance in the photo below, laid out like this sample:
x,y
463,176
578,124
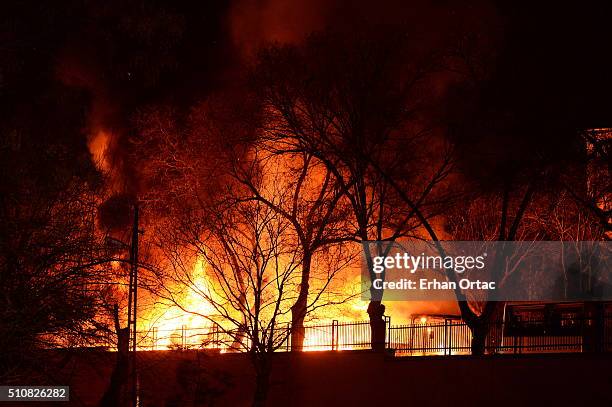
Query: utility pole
x,y
123,389
133,304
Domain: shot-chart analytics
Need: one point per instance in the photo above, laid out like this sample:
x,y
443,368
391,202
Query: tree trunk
x,y
116,394
480,325
262,382
376,311
298,310
479,338
593,327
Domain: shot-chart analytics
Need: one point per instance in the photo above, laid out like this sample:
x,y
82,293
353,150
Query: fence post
x,y
334,345
214,340
154,333
445,334
450,338
388,322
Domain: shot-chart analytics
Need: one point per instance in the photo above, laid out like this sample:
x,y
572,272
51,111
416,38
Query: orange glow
x,y
98,146
170,326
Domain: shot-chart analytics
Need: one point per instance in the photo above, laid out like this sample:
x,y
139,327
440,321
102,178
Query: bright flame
x,y
184,326
98,146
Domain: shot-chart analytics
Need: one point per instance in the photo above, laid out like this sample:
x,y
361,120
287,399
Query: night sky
x,y
69,68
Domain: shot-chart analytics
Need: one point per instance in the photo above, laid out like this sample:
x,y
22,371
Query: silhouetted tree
x,y
250,277
589,181
52,289
505,150
355,104
304,192
236,225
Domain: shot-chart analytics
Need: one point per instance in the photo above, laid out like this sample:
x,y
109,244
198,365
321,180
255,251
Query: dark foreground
x,y
174,378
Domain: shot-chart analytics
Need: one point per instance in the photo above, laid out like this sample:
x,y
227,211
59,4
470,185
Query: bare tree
x,y
257,236
356,106
503,216
305,193
193,162
53,293
590,182
252,268
489,217
507,159
576,227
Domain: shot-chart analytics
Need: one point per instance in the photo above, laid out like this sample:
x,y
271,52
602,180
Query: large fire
x,y
190,321
165,325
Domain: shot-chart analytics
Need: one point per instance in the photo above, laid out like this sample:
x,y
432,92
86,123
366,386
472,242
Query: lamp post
x,y
132,300
133,303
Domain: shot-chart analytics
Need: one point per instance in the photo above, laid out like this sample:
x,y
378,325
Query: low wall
x,y
353,378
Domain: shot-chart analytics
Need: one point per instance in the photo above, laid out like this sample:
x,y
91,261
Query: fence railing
x,y
337,336
447,337
455,337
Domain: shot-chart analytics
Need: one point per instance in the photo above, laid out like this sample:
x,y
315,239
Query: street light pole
x,y
134,276
133,303
127,353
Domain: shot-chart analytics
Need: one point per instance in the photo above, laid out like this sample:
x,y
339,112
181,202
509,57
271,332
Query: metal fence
x,y
337,336
455,337
186,337
450,337
447,337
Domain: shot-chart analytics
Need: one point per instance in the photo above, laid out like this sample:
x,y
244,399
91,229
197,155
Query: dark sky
x,y
552,62
135,51
560,51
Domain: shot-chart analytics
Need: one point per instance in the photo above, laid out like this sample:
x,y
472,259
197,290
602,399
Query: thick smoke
x,y
253,23
131,60
256,22
127,56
